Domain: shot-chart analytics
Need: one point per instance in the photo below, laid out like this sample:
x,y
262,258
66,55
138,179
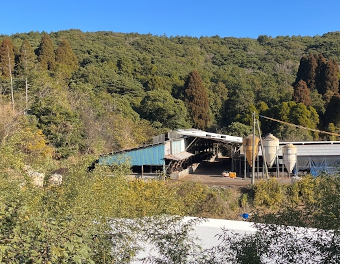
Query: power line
x,y
302,127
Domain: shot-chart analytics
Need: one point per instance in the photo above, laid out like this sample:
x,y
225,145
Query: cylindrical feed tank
x,y
289,156
248,148
271,146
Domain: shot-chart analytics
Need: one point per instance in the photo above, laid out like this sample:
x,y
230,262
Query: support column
x,y
245,163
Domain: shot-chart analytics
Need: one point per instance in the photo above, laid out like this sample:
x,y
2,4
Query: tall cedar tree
x,y
196,98
46,54
65,56
302,73
331,77
311,77
308,71
332,114
320,74
27,60
301,93
6,58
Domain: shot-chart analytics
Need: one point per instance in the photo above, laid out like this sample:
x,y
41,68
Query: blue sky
x,y
198,18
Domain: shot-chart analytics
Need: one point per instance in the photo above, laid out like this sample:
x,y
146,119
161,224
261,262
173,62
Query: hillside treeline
x,y
72,92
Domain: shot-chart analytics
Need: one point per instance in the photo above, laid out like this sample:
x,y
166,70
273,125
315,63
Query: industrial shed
x,y
316,156
311,156
176,151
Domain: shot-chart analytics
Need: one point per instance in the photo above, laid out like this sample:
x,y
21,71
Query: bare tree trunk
x,y
10,75
26,91
26,81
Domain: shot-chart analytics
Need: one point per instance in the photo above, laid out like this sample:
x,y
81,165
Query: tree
x,y
247,116
320,74
317,102
57,118
331,85
155,83
298,114
65,57
159,106
311,77
7,63
218,94
301,93
238,129
6,58
332,114
196,98
27,60
302,73
46,55
308,71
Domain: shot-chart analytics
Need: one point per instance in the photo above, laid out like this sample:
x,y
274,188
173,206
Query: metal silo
x,y
248,148
289,156
271,146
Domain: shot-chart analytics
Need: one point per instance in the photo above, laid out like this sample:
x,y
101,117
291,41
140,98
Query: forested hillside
x,y
68,96
104,91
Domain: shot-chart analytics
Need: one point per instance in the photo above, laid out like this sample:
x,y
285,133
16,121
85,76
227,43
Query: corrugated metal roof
x,y
312,148
208,135
149,155
318,150
179,156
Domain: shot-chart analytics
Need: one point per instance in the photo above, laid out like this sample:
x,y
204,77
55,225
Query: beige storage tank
x,y
248,148
289,156
271,146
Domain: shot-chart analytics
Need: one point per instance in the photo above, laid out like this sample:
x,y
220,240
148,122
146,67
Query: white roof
x,y
208,135
207,236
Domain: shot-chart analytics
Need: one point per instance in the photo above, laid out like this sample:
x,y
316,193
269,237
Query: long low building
x,y
312,156
175,151
178,152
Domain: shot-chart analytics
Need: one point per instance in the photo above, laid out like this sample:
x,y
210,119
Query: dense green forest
x,y
104,91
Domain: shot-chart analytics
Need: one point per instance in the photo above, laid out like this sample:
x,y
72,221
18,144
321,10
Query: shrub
x,y
269,193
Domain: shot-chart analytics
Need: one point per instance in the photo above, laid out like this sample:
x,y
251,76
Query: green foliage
x,y
218,94
58,121
115,72
46,54
269,193
160,106
27,58
66,60
297,114
70,223
309,202
199,200
238,129
317,102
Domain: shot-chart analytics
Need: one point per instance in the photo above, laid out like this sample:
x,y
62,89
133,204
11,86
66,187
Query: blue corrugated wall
x,y
177,146
153,155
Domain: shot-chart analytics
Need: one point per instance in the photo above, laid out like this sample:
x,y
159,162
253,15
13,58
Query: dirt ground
x,y
210,173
